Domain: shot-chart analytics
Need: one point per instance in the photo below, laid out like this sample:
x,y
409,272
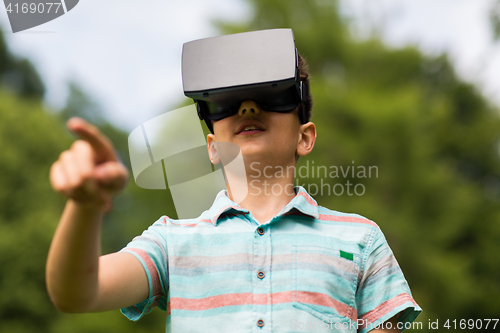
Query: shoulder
x,y
349,227
167,222
326,215
357,229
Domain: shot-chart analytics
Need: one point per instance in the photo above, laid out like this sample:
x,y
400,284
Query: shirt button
x,y
261,274
260,323
260,231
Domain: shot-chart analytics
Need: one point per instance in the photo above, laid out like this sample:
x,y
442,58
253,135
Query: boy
x,y
275,262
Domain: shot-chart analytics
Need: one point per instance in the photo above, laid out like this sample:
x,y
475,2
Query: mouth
x,y
248,128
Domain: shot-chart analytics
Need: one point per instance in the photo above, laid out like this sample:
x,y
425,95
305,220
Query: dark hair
x,y
304,77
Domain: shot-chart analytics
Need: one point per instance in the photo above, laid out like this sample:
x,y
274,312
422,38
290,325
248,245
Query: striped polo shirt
x,y
308,269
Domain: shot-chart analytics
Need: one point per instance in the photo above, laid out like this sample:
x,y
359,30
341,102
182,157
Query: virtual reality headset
x,y
219,73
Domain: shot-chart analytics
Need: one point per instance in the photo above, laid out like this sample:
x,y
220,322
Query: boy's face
x,y
271,138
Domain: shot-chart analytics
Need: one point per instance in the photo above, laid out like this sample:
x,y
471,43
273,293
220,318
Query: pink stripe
x,y
385,308
155,277
212,302
351,219
156,300
325,300
196,304
282,297
308,199
206,303
191,224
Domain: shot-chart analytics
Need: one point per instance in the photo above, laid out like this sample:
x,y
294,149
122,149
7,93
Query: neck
x,y
270,189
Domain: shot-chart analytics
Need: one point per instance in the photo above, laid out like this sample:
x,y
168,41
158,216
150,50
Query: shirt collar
x,y
302,203
222,204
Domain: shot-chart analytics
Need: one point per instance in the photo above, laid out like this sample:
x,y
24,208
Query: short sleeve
x,y
150,249
382,291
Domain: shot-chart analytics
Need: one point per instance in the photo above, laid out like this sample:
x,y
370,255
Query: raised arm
x,y
78,279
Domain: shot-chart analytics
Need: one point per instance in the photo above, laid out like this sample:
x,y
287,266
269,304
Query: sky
x,y
460,28
127,53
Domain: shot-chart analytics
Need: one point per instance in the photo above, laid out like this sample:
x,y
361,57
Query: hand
x,y
90,171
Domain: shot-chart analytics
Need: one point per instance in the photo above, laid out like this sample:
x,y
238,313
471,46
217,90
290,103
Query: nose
x,y
249,107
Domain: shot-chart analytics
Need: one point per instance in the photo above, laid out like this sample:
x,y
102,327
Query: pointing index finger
x,y
100,143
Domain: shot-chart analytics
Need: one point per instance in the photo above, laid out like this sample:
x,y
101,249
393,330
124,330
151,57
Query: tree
x,y
31,138
79,104
18,74
495,20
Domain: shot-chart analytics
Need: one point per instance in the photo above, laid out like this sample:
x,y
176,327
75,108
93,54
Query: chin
x,y
254,153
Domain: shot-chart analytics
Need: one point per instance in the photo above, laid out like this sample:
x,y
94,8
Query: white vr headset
x,y
221,72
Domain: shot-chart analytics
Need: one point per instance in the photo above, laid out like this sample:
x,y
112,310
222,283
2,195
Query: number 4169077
x,y
470,324
33,7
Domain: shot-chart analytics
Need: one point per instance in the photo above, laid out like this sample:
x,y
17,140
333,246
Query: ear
x,y
307,138
212,149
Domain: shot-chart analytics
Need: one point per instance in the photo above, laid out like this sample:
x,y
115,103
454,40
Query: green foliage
x,y
29,210
18,74
79,104
495,20
31,139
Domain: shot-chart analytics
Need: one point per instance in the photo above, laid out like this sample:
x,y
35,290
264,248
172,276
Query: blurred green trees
x,y
495,19
18,74
31,139
433,138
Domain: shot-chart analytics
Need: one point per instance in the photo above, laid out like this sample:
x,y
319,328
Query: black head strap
x,y
202,117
